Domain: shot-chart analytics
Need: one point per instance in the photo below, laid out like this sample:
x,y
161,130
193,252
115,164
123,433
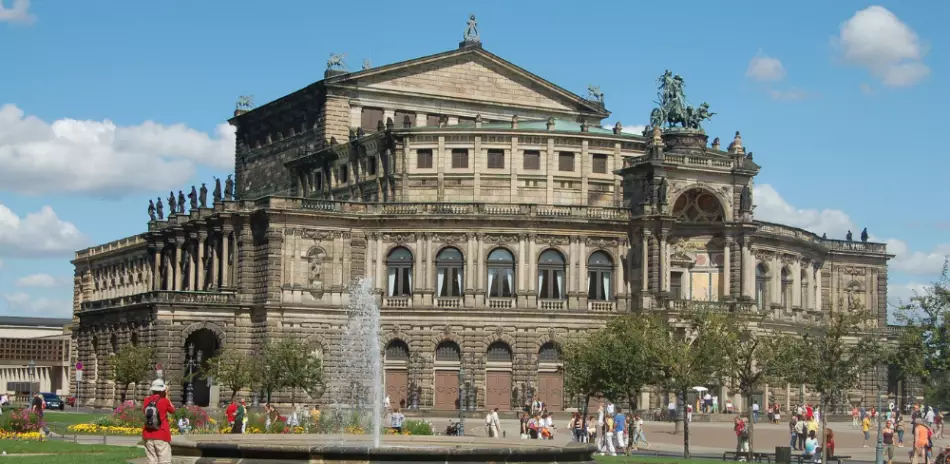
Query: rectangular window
x,y
344,174
565,161
424,159
404,119
466,121
496,159
371,166
371,119
318,181
676,285
532,160
459,158
599,165
432,120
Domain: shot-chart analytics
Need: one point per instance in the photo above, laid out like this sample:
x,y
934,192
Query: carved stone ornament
x,y
499,331
553,240
764,255
600,242
316,234
855,271
447,330
450,239
788,259
315,259
399,238
502,239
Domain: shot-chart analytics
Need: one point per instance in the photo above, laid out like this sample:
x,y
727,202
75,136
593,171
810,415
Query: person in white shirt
x,y
184,425
755,412
601,442
490,425
610,408
672,411
496,423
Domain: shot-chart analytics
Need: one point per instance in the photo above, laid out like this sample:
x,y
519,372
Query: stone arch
x,y
317,341
686,204
495,337
591,251
393,246
450,337
502,246
213,327
557,340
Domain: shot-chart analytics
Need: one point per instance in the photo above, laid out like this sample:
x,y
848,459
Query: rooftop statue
x,y
864,235
203,196
228,188
673,109
245,102
471,31
172,204
594,93
216,194
160,209
151,210
181,202
336,61
193,199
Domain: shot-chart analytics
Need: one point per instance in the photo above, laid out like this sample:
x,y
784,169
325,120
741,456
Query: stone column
x,y
748,266
481,278
797,285
157,267
202,241
582,272
176,267
522,266
215,259
620,281
817,289
645,263
727,267
809,302
225,262
469,278
664,264
192,239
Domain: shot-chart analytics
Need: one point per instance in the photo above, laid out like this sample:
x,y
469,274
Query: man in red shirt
x,y
158,436
231,411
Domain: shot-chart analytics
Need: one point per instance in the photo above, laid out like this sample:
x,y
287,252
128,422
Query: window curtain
x,y
510,277
440,280
491,279
408,272
540,281
392,281
458,278
591,293
606,277
559,278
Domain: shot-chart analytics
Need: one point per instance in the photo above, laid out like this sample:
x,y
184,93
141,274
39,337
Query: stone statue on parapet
x,y
745,199
193,198
848,236
336,61
151,210
203,196
661,192
864,235
160,209
672,108
245,103
172,204
228,188
471,30
594,93
181,202
824,235
216,194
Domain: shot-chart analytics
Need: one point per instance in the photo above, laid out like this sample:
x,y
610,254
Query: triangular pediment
x,y
471,74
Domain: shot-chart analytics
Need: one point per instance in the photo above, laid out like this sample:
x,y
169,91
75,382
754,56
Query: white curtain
x,y
491,278
606,285
559,275
408,272
510,277
440,279
392,281
459,279
540,277
588,287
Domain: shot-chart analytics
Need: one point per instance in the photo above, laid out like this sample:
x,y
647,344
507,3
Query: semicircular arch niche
x,y
698,205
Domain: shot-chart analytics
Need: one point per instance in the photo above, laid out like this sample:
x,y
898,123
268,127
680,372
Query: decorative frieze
x,y
399,238
600,242
544,239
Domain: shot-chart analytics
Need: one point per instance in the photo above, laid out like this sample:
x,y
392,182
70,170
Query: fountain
x,y
354,396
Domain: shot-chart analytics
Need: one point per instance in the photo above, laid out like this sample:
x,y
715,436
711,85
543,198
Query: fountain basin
x,y
337,449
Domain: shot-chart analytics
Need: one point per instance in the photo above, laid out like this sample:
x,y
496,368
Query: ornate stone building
x,y
494,215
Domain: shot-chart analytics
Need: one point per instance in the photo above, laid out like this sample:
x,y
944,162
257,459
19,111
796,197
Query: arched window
x,y
786,288
549,353
804,288
501,273
448,273
551,275
761,286
397,350
448,351
499,352
599,273
698,205
399,264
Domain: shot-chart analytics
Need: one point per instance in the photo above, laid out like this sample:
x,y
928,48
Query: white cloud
x,y
19,12
100,158
37,280
22,303
770,206
877,40
765,69
39,234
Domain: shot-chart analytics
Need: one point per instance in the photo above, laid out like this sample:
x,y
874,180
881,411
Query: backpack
x,y
153,421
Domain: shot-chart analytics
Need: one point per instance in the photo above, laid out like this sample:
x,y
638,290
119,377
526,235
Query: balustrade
x,y
552,305
601,306
452,303
162,296
501,303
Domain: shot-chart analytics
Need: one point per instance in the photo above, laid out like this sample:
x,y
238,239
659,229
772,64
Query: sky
x,y
105,104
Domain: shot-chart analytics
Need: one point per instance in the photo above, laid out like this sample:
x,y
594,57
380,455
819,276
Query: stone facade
x,y
494,216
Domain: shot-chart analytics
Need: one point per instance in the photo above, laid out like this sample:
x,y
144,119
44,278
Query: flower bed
x,y
30,436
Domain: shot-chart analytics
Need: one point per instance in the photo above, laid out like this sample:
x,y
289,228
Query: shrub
x,y
129,415
196,415
22,421
417,427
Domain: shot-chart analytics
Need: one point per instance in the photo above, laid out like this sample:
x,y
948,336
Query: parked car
x,y
53,401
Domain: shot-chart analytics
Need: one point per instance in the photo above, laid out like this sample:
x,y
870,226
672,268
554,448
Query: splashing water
x,y
356,389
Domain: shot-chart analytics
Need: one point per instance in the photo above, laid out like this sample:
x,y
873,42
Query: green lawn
x,y
646,460
56,452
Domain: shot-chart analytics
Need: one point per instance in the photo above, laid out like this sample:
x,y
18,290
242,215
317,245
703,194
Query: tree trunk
x,y
233,394
685,429
748,398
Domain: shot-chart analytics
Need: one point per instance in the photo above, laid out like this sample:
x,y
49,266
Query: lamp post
x,y
31,371
461,429
190,387
470,386
879,448
416,366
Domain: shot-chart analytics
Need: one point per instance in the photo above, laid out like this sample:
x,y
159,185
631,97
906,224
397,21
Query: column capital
x,y
202,233
159,246
729,239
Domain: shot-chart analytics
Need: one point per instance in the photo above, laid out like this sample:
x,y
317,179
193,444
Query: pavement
x,y
709,439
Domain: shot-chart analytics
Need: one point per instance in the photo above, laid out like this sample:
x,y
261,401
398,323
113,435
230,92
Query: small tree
x,y
632,361
920,352
754,357
131,364
231,369
300,369
691,354
268,376
585,360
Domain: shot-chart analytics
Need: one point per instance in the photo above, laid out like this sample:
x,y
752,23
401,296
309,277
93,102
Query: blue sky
x,y
106,104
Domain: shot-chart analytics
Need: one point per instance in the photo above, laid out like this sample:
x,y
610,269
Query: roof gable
x,y
470,73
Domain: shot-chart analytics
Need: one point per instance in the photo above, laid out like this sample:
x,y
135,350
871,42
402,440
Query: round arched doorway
x,y
200,346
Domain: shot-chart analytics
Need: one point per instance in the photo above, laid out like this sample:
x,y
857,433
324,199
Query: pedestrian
x,y
639,434
800,430
156,432
620,430
899,428
496,423
887,438
866,428
738,426
240,415
792,424
921,441
755,412
524,426
591,430
397,419
489,425
830,442
672,411
230,411
854,418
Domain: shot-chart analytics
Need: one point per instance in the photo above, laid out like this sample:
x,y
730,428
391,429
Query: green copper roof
x,y
560,125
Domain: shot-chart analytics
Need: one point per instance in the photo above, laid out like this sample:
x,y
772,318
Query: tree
x,y
691,354
301,370
632,361
833,355
131,364
920,352
584,362
268,376
230,369
754,357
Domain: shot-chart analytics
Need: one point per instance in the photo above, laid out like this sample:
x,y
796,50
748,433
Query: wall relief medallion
x,y
315,259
